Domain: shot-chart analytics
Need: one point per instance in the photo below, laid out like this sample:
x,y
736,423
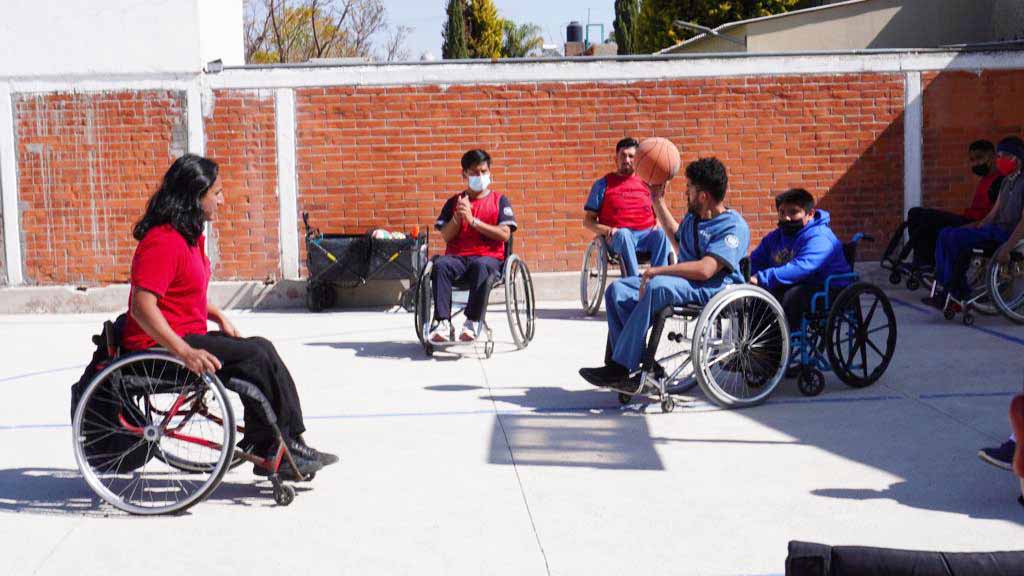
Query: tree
x,y
484,29
520,39
626,14
454,31
298,30
654,29
394,46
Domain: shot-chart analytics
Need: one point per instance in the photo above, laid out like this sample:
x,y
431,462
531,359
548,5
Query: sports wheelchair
x,y
894,259
150,435
520,306
993,288
594,276
735,348
847,321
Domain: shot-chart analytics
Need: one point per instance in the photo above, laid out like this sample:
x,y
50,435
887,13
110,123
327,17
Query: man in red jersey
x,y
619,208
475,224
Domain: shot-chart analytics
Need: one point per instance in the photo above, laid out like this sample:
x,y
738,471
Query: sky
x,y
428,16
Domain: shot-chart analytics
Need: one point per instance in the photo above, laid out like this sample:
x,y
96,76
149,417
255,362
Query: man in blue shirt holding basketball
x,y
710,242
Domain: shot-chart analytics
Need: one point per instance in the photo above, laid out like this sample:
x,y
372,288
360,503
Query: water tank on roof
x,y
574,33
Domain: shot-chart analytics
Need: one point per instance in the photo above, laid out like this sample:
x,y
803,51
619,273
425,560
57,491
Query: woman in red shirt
x,y
168,307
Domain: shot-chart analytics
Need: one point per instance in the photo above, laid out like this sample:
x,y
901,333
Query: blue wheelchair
x,y
850,329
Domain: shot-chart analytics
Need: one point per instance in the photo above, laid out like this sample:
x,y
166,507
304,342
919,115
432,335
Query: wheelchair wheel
x,y
740,346
674,354
860,334
978,283
1006,286
594,277
519,302
143,405
423,311
200,408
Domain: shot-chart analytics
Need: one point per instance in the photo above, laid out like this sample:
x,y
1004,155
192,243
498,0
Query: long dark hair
x,y
177,201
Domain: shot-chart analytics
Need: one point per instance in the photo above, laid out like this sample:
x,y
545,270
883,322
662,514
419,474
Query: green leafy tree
x,y
626,14
454,32
654,24
520,39
484,29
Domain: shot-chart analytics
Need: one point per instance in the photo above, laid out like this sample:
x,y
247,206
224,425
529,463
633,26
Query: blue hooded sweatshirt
x,y
811,255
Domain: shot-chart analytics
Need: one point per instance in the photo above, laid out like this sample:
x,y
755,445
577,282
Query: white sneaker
x,y
441,331
469,331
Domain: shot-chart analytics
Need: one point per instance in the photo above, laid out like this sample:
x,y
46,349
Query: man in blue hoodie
x,y
793,261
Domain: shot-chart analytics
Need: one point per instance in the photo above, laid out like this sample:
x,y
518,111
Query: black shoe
x,y
938,301
1000,456
604,376
306,466
300,446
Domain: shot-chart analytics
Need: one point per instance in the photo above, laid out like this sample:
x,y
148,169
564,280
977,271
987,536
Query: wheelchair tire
x,y
849,332
423,309
131,399
593,277
673,354
977,281
519,301
167,456
740,346
1006,287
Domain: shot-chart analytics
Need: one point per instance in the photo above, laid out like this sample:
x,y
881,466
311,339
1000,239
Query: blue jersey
x,y
726,237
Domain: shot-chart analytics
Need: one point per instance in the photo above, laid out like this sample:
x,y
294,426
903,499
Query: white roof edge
x,y
736,23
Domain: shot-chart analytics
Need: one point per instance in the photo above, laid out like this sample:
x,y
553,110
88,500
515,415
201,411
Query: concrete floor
x,y
514,465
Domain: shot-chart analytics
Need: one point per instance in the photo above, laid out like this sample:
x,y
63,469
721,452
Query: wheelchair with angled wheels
x,y
850,329
992,288
734,347
1005,284
594,276
520,306
152,437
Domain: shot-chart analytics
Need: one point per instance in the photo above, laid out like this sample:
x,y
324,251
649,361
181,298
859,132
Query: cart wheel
x,y
668,405
913,283
810,381
624,398
313,300
895,278
948,313
428,350
284,494
968,319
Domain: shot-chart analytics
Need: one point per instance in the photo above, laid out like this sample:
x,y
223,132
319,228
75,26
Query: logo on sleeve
x,y
732,241
508,211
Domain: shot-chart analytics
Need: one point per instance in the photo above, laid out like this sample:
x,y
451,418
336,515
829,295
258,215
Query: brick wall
x,y
960,107
87,163
389,157
240,136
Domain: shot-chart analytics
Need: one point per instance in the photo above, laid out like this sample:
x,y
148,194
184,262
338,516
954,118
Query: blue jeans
x,y
953,250
626,243
629,315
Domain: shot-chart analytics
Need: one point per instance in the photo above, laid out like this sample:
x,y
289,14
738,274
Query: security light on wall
x,y
214,66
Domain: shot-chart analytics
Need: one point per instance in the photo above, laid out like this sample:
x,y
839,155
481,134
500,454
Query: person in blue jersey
x,y
793,261
710,241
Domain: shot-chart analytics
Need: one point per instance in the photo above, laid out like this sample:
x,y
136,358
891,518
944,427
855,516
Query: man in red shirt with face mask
x,y
619,208
475,223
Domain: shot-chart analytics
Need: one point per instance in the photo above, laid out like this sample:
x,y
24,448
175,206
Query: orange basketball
x,y
657,160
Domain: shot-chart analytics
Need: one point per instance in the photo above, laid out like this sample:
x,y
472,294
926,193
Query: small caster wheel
x,y
913,283
284,494
488,348
811,382
624,398
428,350
948,314
668,405
309,477
895,278
968,319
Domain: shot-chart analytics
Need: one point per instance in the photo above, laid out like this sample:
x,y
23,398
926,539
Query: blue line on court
x,y
989,331
41,373
967,395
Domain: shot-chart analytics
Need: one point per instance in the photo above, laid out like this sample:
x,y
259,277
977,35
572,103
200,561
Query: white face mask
x,y
479,183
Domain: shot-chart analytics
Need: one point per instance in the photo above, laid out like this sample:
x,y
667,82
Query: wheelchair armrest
x,y
688,310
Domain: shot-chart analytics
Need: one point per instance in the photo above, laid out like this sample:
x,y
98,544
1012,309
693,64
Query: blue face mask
x,y
479,183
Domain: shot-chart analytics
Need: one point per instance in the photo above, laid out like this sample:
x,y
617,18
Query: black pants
x,y
796,301
255,360
923,226
476,271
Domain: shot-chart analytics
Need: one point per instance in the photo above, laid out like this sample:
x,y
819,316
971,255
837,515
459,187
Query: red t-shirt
x,y
622,202
982,201
178,274
491,208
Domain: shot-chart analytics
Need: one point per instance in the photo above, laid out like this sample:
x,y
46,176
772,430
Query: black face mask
x,y
981,169
790,227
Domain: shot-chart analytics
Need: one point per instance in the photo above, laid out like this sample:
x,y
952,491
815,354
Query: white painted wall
x,y
89,37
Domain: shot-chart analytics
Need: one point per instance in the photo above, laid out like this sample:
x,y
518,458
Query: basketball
x,y
657,160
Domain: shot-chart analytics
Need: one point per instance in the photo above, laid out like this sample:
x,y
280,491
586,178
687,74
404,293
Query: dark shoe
x,y
605,375
306,466
1000,456
299,446
938,301
628,384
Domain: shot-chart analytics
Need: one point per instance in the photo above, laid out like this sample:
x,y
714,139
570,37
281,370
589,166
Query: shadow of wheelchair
x,y
63,491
